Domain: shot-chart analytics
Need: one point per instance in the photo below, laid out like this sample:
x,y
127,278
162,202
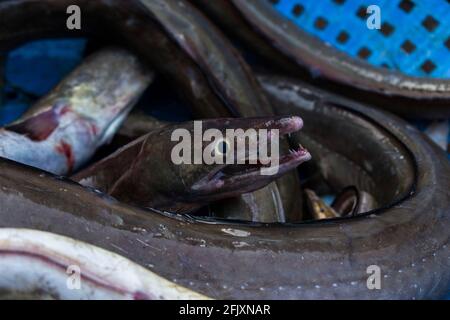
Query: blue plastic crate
x,y
414,37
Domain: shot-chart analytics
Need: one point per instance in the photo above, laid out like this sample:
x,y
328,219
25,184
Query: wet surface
x,y
24,84
35,68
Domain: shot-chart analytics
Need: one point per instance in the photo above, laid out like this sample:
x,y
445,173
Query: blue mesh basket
x,y
414,36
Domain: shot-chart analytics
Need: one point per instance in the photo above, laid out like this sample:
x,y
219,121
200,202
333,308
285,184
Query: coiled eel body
x,y
407,238
48,260
280,42
159,31
63,130
180,43
143,172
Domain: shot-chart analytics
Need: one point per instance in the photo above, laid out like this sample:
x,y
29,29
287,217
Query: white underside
x,y
35,263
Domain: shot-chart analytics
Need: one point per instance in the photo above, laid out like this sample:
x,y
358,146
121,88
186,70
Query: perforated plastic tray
x,y
414,37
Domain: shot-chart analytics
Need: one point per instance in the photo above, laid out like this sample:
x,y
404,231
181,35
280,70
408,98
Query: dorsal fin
x,y
37,127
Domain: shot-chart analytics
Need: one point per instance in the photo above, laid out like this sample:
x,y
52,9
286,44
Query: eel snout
x,y
249,169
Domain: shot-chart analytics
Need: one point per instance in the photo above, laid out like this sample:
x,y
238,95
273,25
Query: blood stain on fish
x,y
66,149
94,129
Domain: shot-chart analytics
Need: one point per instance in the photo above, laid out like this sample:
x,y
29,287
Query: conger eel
x,y
407,238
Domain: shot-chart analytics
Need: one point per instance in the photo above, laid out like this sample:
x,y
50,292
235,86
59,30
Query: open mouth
x,y
247,177
284,163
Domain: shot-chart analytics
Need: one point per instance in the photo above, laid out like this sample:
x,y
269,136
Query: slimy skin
x,y
63,130
352,201
407,236
143,172
263,205
42,265
284,46
173,38
203,66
